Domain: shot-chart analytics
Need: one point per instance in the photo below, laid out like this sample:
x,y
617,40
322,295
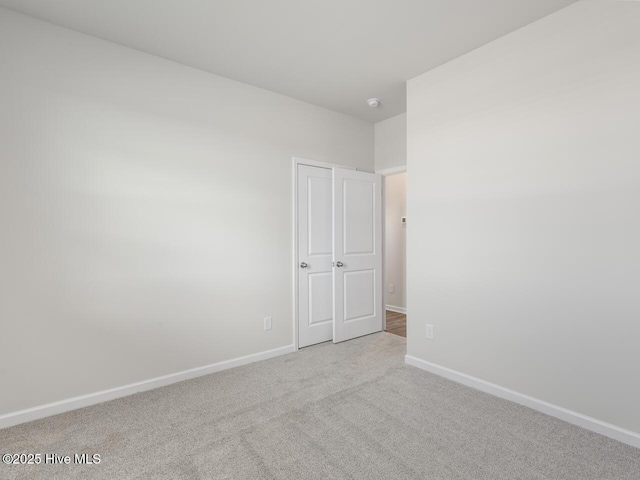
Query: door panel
x,y
315,247
319,204
358,219
320,289
357,247
359,294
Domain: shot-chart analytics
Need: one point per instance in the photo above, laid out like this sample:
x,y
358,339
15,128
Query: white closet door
x,y
315,279
357,254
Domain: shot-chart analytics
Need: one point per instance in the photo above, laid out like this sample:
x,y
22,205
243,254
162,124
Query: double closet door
x,y
339,254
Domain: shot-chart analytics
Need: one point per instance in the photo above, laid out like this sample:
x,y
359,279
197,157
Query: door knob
x,y
303,265
339,264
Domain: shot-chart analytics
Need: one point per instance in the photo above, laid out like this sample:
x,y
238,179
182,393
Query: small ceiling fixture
x,y
373,102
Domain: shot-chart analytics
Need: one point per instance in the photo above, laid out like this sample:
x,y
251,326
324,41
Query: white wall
x,y
145,210
395,235
391,142
524,209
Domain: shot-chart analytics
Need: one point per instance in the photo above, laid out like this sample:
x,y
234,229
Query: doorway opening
x,y
395,256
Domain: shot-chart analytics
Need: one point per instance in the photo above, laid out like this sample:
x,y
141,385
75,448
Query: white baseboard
x,y
35,413
393,308
590,423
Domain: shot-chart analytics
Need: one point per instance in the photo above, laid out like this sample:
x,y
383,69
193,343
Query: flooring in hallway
x,y
397,323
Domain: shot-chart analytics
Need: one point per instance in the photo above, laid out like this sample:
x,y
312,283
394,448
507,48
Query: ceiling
x,y
332,53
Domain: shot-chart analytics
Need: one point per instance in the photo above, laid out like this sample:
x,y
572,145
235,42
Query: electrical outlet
x,y
391,288
429,331
267,323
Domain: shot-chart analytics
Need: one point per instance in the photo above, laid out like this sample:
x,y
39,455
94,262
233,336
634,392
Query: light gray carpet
x,y
352,410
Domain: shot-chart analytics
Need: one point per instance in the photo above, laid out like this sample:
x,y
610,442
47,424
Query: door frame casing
x,y
311,163
385,172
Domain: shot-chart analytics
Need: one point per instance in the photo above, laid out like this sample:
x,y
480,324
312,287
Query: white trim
x,y
312,163
575,418
393,308
42,411
392,170
383,247
294,313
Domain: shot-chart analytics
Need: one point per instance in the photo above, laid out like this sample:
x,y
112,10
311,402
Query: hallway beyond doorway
x,y
397,323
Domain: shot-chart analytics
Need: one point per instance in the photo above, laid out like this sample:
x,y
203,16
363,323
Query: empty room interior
x,y
304,239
